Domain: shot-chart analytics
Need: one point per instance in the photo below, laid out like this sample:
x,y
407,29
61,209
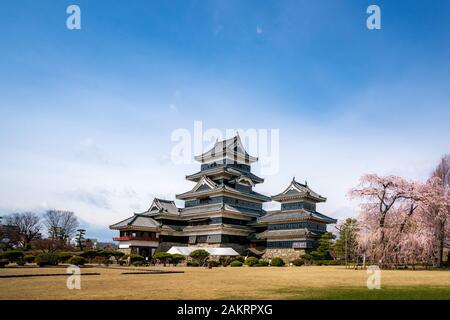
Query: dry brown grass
x,y
220,283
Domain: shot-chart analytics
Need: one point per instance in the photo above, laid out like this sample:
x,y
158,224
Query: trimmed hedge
x,y
64,256
77,260
29,258
47,259
111,253
251,261
162,257
192,264
199,255
12,255
177,258
298,262
277,262
213,263
236,263
262,263
240,258
136,257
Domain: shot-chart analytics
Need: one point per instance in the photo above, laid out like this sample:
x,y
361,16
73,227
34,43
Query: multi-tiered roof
x,y
151,220
297,221
229,150
222,200
222,206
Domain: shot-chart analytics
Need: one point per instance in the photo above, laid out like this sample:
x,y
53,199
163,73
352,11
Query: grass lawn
x,y
317,282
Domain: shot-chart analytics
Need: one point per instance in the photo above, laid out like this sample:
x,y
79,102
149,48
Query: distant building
x,y
223,210
105,245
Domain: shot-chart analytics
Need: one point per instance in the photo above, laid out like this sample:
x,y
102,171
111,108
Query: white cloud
x,y
259,30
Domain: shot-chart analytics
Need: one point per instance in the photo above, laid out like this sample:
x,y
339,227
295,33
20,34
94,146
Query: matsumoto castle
x,y
222,210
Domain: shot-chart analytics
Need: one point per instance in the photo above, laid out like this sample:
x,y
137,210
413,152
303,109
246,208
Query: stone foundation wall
x,y
287,254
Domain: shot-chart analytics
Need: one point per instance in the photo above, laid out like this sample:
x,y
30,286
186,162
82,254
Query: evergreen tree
x,y
346,245
80,238
323,251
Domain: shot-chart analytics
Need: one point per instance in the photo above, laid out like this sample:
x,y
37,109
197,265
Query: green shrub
x,y
251,261
77,261
330,262
277,262
135,258
213,263
240,258
224,261
64,256
236,263
199,255
29,258
47,259
90,254
12,255
298,262
192,264
307,257
3,262
110,253
262,263
177,258
20,263
163,257
102,260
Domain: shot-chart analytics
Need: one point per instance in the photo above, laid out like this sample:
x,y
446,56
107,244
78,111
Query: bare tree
x,y
61,225
27,225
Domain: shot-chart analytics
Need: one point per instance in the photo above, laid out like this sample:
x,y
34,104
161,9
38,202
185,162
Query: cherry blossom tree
x,y
403,222
387,218
434,216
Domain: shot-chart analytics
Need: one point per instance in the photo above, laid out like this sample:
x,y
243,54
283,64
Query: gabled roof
x,y
299,215
285,234
232,172
204,183
299,191
220,207
137,220
197,191
243,180
159,206
231,149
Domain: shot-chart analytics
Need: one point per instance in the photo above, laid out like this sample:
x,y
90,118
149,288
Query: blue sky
x,y
86,115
